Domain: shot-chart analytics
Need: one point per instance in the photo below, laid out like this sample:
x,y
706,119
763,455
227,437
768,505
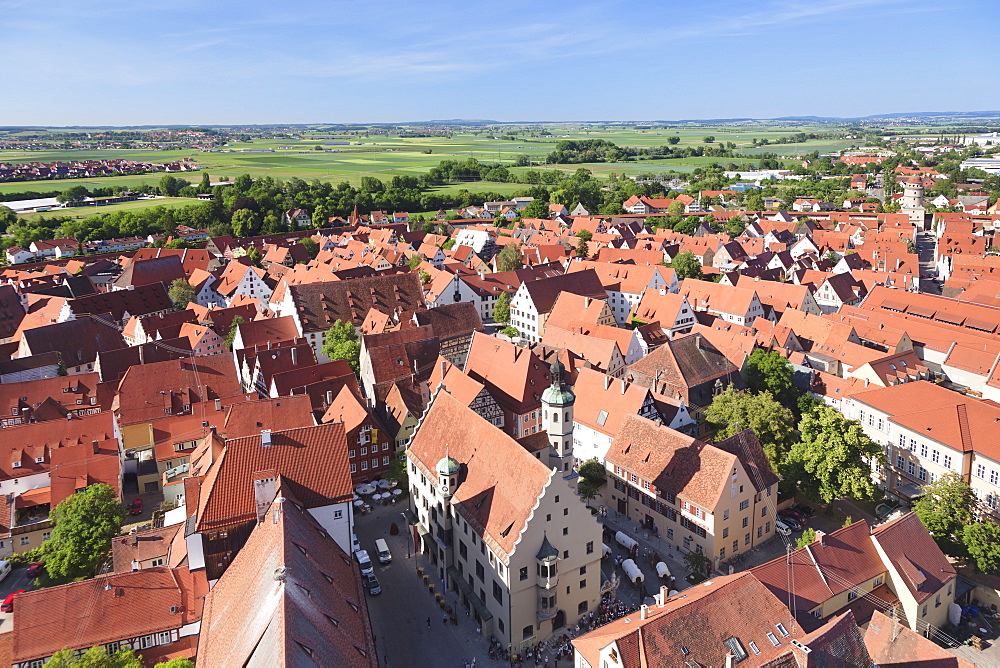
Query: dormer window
x,y
15,465
39,460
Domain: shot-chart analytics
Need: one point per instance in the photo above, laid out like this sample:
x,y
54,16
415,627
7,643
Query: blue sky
x,y
118,62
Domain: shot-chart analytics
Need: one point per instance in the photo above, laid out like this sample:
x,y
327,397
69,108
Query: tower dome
x,y
558,393
448,466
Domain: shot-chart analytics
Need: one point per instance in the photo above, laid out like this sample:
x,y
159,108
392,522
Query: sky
x,y
154,62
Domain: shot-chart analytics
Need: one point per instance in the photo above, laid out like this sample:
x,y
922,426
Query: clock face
x,y
444,488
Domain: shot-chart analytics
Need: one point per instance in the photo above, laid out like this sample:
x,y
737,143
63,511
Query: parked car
x,y
806,510
135,508
373,586
364,562
782,528
795,515
8,603
792,523
35,569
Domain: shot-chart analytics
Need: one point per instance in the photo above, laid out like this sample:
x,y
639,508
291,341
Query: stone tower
x,y
912,201
557,416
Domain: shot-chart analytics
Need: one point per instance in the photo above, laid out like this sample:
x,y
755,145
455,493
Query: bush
x,y
510,332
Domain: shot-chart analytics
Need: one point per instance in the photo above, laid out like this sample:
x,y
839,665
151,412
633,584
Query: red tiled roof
x,y
313,461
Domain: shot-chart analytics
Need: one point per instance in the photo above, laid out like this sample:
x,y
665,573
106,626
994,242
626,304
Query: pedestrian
x,y
428,622
444,619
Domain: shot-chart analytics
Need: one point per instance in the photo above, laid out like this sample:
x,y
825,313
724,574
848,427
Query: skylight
x,y
735,648
773,639
602,417
781,629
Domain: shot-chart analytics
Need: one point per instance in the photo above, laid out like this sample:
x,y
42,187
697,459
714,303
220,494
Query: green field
x,y
87,211
384,156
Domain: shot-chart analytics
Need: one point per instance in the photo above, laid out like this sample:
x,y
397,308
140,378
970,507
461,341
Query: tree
x,y
206,183
73,195
592,477
769,371
414,261
832,458
340,342
311,246
96,657
425,278
808,536
253,253
686,265
501,310
84,523
181,293
537,208
586,235
170,185
7,217
244,222
234,327
509,259
733,411
708,139
397,471
947,506
698,563
583,249
982,540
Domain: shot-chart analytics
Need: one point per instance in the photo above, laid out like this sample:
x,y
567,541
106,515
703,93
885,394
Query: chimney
x,y
730,660
329,397
444,367
142,355
295,356
664,593
643,612
265,438
218,404
586,302
607,382
97,447
135,565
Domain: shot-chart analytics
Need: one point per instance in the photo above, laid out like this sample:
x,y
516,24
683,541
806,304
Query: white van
x,y
782,528
382,550
4,569
361,556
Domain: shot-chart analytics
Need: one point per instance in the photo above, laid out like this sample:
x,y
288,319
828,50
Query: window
x,y
582,608
156,562
565,531
763,511
937,601
767,528
935,456
354,467
583,584
753,647
851,595
480,572
338,514
923,450
902,440
746,538
163,638
385,460
922,474
746,522
497,593
923,611
900,462
760,531
725,532
364,465
781,629
743,504
725,515
463,552
947,461
773,639
911,468
993,477
25,540
364,451
981,471
527,632
877,581
590,547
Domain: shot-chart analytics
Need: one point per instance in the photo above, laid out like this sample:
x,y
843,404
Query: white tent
x,y
632,572
662,570
605,550
625,540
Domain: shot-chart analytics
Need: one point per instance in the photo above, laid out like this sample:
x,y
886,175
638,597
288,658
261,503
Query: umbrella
x,y
384,484
358,503
377,497
364,489
397,492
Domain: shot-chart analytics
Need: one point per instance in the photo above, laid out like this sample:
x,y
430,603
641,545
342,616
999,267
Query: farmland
x,y
387,155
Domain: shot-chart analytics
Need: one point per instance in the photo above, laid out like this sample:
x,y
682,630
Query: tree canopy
x,y
181,293
501,310
686,265
832,457
340,342
947,506
982,541
733,411
84,523
769,371
509,258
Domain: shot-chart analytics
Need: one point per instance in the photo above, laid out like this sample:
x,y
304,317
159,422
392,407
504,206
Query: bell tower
x,y
557,416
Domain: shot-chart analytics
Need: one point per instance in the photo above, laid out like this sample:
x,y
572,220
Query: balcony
x,y
542,614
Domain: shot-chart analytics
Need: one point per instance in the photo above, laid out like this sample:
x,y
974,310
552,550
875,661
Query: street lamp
x,y
409,532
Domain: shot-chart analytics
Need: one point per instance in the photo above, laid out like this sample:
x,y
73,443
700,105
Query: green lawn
x,y
87,211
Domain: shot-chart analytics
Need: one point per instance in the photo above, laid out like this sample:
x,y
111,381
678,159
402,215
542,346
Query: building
x,y
508,532
531,304
292,597
154,611
719,500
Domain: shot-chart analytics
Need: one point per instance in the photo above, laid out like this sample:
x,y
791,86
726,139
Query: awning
x,y
910,491
422,530
950,318
893,306
983,325
34,497
480,607
410,517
